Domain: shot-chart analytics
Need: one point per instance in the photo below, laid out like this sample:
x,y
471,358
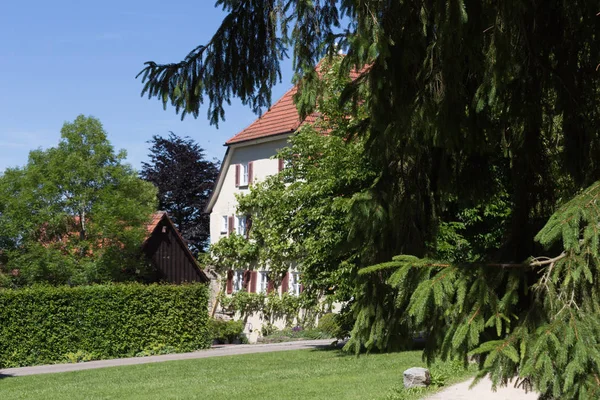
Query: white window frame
x,y
238,280
264,282
240,225
224,224
294,283
244,170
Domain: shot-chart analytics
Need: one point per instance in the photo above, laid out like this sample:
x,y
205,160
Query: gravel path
x,y
217,351
481,391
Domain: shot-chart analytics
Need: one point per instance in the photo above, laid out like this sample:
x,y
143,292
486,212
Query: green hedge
x,y
42,325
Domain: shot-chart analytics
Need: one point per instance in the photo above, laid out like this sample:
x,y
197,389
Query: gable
x,y
169,253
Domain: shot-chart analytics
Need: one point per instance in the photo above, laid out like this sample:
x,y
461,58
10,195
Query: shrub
x,y
328,323
43,324
268,329
157,350
292,334
79,356
226,331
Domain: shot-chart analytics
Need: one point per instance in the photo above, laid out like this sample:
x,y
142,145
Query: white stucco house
x,y
250,158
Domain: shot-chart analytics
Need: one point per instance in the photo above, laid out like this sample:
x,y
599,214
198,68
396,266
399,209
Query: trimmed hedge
x,y
43,325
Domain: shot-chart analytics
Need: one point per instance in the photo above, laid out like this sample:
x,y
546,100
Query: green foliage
x,y
271,334
472,107
231,252
302,309
328,323
226,331
75,214
80,356
336,325
300,216
537,320
442,374
268,329
43,324
157,350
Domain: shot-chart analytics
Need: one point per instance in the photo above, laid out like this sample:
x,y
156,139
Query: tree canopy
x,y
184,179
472,107
75,213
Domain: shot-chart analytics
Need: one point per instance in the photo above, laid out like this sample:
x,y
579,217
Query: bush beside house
x,y
42,325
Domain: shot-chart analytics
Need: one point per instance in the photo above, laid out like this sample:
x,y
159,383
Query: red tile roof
x,y
156,217
281,118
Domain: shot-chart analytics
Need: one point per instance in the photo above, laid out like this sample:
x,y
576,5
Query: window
x,y
244,174
238,280
240,225
264,282
294,283
224,224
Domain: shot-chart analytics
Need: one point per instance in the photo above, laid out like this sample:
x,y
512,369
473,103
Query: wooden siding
x,y
172,262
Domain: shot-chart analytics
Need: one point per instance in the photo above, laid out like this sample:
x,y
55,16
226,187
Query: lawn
x,y
303,374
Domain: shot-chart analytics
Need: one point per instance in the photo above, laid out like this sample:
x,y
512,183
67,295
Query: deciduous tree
x,y
184,179
75,213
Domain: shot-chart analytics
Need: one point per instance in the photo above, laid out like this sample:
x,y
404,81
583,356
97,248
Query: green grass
x,y
304,374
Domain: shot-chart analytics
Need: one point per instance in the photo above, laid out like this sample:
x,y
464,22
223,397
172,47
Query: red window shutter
x,y
230,281
237,175
270,286
301,288
253,279
250,172
246,282
285,282
230,225
280,166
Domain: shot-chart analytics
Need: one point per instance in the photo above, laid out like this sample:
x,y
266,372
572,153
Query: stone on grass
x,y
416,377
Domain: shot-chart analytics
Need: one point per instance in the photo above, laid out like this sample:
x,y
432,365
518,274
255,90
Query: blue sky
x,y
59,59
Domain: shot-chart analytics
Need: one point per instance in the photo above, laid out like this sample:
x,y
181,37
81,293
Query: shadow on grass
x,y
337,346
2,376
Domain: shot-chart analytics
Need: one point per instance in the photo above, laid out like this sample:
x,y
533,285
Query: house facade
x,y
250,158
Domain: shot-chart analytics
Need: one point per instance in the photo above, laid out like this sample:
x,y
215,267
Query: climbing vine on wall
x,y
300,310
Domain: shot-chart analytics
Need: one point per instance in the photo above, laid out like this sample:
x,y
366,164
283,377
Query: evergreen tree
x,y
469,103
184,179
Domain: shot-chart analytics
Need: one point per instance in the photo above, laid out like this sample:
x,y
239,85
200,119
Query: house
x,y
250,157
168,253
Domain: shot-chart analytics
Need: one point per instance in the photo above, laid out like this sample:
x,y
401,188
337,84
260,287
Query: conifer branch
x,y
541,261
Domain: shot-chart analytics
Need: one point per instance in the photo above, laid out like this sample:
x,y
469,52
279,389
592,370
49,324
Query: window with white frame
x,y
294,283
244,174
238,280
224,224
264,282
240,225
